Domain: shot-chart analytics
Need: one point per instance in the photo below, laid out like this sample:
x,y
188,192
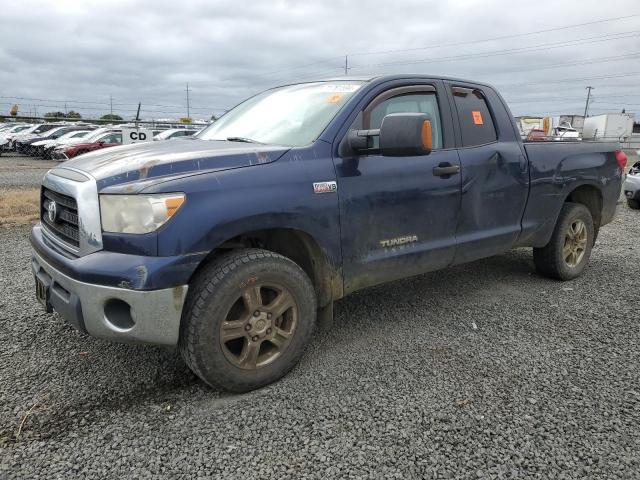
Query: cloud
x,y
85,51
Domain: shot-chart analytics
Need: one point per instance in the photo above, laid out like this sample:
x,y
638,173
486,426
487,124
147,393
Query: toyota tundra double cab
x,y
232,244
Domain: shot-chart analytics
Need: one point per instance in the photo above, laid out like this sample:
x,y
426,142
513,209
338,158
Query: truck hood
x,y
142,162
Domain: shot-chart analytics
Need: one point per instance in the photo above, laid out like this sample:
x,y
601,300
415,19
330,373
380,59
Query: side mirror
x,y
406,135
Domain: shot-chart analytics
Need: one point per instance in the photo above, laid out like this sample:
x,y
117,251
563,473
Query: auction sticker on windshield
x,y
340,88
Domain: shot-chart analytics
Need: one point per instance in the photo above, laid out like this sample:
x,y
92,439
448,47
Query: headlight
x,y
138,213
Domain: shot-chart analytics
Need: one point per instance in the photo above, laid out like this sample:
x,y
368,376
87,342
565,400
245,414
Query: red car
x,y
536,134
110,139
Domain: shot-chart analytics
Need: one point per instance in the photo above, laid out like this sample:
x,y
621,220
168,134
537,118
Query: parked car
x,y
173,133
108,139
45,147
7,134
536,134
58,151
26,147
233,244
31,132
631,187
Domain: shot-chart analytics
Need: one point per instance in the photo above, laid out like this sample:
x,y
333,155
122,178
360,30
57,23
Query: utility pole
x,y
346,65
111,104
188,112
138,114
586,106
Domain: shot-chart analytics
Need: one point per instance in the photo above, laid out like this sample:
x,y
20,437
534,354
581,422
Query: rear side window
x,y
476,123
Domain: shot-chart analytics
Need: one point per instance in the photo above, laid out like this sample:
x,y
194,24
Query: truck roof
x,y
386,78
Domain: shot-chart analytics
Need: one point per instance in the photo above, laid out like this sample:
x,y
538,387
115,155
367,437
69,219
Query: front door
x,y
398,215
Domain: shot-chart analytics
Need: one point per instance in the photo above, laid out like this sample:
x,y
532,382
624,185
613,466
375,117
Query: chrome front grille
x,y
63,223
69,211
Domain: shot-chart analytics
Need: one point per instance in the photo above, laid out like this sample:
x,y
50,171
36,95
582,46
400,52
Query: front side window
x,y
294,115
408,103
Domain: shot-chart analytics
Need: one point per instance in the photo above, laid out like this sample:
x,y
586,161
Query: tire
x,y
551,260
633,204
216,298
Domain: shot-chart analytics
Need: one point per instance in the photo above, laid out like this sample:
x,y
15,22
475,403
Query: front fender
x,y
225,204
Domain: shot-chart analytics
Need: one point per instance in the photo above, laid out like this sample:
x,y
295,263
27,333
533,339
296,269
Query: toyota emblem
x,y
52,211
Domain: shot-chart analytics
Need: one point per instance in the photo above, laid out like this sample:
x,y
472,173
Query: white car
x,y
19,135
6,135
631,187
68,138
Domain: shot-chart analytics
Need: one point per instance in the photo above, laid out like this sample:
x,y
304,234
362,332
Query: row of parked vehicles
x,y
68,140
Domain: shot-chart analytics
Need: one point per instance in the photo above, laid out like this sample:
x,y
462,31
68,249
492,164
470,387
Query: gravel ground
x,y
480,371
20,171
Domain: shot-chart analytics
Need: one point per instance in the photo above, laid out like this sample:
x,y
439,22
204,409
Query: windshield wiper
x,y
241,139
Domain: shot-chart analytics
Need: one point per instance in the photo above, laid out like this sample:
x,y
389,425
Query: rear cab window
x,y
476,123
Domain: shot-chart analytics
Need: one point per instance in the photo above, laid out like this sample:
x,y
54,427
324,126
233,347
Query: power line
x,y
546,99
502,37
579,79
586,61
532,48
455,44
117,110
103,104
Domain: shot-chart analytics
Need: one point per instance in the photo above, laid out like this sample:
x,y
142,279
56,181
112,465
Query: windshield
x,y
95,134
293,116
165,134
53,132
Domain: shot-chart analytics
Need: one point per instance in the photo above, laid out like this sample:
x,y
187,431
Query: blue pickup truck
x,y
234,243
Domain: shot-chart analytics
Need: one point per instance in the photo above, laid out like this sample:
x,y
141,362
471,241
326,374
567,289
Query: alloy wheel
x,y
259,326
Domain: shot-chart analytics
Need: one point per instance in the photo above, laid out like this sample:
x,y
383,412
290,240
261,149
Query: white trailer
x,y
610,126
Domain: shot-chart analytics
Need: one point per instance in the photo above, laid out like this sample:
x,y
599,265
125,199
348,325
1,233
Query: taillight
x,y
621,158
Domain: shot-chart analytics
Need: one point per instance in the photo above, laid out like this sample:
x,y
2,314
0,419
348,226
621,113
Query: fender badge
x,y
396,242
325,187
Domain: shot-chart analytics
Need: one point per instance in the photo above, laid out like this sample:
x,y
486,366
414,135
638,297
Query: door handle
x,y
445,169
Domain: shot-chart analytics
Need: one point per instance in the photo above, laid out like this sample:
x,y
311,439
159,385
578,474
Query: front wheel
x,y
568,251
247,320
633,204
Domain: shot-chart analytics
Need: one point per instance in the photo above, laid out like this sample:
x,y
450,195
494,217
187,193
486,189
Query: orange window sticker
x,y
477,117
335,98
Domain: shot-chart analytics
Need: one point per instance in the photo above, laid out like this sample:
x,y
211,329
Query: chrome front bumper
x,y
118,314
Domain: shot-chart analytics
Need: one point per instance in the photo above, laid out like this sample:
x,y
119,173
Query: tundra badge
x,y
325,187
395,242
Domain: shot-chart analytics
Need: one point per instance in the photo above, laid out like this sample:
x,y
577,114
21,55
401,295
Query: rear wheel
x,y
633,204
568,251
248,318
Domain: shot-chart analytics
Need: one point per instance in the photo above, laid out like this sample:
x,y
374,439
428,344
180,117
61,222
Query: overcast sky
x,y
85,51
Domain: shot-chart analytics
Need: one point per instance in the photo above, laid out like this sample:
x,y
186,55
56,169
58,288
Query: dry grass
x,y
19,206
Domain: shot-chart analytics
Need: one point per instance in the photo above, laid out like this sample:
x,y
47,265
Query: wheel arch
x,y
298,246
591,197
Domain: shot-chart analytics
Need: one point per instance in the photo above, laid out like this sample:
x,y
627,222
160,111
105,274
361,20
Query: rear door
x,y
495,176
398,217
